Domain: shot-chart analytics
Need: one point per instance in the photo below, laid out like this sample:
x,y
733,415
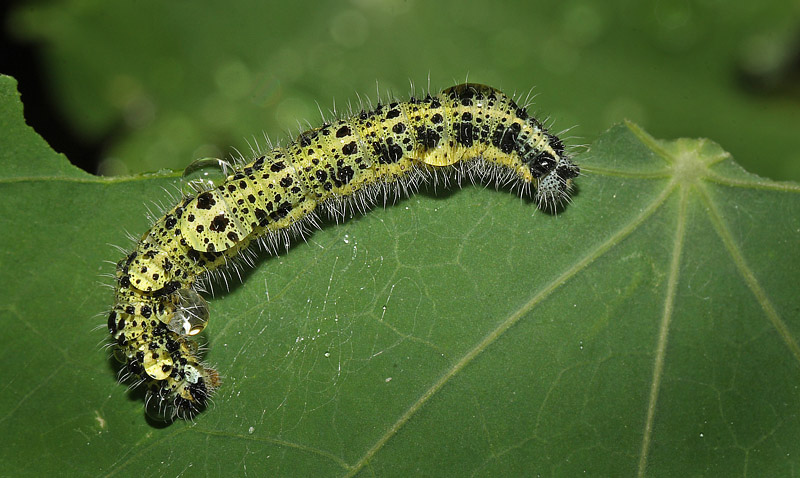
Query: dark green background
x,y
159,84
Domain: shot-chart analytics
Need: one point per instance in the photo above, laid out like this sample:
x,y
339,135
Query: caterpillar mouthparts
x,y
471,129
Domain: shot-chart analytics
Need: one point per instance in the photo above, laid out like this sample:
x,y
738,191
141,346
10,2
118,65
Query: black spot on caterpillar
x,y
474,129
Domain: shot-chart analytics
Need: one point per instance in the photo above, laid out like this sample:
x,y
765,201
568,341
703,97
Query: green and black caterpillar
x,y
469,130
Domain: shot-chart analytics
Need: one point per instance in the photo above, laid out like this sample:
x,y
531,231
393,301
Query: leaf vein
x,y
663,332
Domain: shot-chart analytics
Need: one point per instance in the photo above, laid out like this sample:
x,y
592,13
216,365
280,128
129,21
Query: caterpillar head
x,y
554,186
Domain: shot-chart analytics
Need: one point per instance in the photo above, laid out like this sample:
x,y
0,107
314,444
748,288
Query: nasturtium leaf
x,y
650,328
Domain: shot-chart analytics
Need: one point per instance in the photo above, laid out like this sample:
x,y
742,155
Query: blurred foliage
x,y
162,83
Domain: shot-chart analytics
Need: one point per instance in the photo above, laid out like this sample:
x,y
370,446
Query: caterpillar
x,y
473,130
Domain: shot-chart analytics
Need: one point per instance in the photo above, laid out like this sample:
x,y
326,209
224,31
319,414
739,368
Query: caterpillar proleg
x,y
472,129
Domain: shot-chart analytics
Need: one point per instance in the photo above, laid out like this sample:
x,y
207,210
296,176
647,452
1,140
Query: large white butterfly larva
x,y
470,129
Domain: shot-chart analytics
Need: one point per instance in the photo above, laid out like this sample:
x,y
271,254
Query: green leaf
x,y
650,328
